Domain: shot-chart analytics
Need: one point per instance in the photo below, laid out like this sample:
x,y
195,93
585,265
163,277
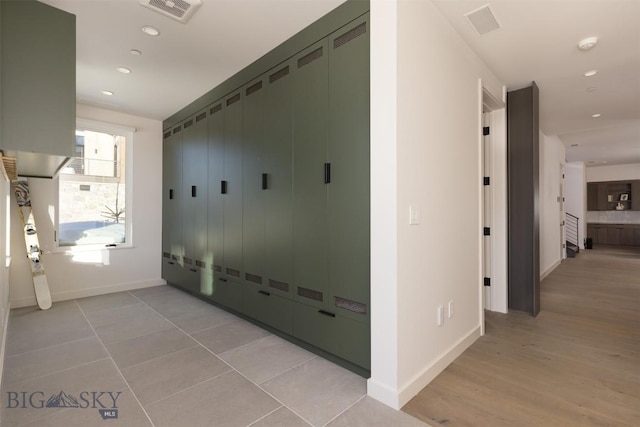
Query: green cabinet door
x,y
253,194
348,153
232,240
215,175
310,100
194,193
38,85
173,150
278,116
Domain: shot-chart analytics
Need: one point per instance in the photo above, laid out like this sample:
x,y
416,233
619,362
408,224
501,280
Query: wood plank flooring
x,y
576,364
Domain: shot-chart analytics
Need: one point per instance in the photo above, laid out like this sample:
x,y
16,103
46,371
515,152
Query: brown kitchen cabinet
x,y
606,196
614,234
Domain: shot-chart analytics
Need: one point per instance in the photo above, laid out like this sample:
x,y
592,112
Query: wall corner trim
x,y
549,270
383,393
3,341
397,398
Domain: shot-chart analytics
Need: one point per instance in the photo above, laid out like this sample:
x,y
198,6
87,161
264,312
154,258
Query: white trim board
x,y
396,399
83,293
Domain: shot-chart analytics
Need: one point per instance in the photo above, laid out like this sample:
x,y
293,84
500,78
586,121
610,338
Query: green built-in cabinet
x,y
266,197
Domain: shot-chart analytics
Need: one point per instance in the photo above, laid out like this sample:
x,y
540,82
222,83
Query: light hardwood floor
x,y
576,364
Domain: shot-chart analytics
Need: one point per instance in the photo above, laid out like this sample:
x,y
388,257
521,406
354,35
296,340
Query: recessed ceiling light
x,y
591,162
152,31
588,43
107,92
595,116
591,89
123,70
135,52
591,73
604,161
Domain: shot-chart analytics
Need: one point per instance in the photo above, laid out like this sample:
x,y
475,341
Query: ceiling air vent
x,y
180,10
483,20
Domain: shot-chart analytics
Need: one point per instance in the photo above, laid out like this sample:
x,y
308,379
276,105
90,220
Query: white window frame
x,y
127,132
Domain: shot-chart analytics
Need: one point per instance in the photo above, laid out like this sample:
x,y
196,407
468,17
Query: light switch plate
x,y
414,215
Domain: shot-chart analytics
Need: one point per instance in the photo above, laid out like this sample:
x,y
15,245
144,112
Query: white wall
x,y
428,135
104,271
575,193
4,262
552,159
613,173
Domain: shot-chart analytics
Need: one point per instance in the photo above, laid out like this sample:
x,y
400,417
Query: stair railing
x,y
572,223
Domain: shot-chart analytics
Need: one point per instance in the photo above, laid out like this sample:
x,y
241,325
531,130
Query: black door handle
x,y
327,173
326,313
223,187
264,181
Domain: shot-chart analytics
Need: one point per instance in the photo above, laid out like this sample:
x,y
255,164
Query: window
x,y
94,203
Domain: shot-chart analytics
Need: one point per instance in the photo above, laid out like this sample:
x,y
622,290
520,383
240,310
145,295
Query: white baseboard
x,y
3,341
90,292
396,399
549,270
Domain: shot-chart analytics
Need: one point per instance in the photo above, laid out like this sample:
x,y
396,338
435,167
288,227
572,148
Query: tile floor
x,y
169,359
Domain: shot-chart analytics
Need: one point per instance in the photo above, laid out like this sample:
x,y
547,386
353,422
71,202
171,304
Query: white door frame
x,y
496,119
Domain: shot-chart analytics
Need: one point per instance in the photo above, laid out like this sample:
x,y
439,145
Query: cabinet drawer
x,y
226,292
172,272
338,335
267,308
198,280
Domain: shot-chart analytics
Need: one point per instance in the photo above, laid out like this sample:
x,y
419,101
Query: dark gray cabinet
x,y
348,154
310,118
281,232
231,185
267,199
253,194
278,114
215,177
331,253
172,248
194,201
38,85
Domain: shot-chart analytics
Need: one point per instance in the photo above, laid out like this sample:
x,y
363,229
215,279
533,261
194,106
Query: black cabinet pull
x,y
327,173
193,191
222,279
170,194
264,293
223,187
193,269
326,313
171,263
264,181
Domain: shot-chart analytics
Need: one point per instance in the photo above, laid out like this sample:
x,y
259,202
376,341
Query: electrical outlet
x,y
440,315
450,310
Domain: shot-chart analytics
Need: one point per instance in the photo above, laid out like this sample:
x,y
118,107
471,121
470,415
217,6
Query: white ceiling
x,y
537,42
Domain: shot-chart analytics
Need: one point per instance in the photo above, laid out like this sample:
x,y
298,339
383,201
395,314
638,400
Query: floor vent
x,y
483,20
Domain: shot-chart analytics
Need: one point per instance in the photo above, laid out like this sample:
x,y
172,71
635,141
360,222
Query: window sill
x,y
70,250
